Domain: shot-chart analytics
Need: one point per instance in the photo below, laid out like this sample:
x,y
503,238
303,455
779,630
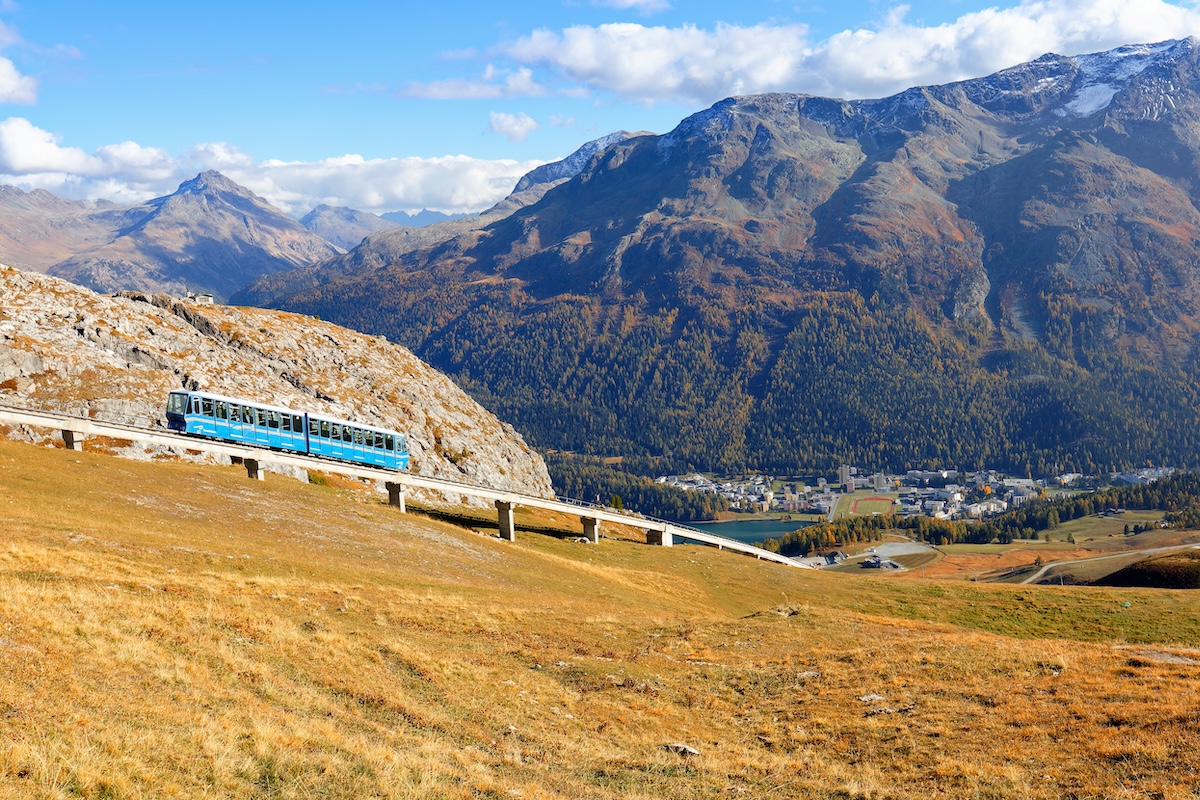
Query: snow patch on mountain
x,y
573,164
1103,75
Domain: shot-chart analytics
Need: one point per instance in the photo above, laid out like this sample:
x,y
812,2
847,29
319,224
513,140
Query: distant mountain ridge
x,y
998,270
421,218
386,246
209,235
341,226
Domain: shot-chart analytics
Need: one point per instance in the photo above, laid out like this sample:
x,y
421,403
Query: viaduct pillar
x,y
660,537
255,470
591,529
396,495
72,440
505,511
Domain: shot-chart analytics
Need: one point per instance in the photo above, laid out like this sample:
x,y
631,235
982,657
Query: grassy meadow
x,y
173,630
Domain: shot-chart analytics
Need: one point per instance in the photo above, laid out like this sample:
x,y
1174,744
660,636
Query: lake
x,y
750,530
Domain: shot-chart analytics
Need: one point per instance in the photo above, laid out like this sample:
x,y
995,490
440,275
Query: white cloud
x,y
128,172
494,83
697,65
658,63
514,127
15,87
27,149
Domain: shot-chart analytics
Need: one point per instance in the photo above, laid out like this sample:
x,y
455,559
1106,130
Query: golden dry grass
x,y
176,630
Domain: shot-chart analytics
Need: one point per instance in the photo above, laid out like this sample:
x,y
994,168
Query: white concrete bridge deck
x,y
75,429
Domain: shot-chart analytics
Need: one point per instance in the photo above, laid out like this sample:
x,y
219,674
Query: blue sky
x,y
385,106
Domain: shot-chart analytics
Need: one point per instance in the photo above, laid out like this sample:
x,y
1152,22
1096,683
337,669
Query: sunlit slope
x,y
171,629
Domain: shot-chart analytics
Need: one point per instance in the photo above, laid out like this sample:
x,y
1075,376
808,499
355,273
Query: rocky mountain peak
x,y
573,164
211,234
212,181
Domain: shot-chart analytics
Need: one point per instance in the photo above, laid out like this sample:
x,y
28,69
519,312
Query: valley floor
x,y
177,630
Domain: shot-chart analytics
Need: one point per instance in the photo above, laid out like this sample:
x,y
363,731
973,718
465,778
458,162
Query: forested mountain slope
x,y
999,271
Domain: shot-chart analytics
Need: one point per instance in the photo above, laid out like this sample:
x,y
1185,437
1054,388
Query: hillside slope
x,y
172,629
993,272
66,347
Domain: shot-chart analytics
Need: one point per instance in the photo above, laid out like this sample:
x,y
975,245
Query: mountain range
x,y
211,235
998,270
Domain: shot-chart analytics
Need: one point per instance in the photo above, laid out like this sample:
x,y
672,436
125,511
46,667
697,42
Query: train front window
x,y
176,403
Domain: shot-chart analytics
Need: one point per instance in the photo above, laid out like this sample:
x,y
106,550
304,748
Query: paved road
x,y
1041,573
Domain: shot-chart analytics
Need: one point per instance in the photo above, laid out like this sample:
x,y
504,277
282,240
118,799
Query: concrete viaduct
x,y
660,532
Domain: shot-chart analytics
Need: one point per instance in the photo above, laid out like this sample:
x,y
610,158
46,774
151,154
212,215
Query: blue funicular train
x,y
244,421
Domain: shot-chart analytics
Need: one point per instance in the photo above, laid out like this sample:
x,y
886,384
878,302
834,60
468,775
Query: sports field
x,y
876,504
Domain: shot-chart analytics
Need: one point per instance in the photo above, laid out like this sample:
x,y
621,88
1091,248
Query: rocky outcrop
x,y
117,357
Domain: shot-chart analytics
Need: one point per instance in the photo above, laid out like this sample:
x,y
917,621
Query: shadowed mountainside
x,y
994,271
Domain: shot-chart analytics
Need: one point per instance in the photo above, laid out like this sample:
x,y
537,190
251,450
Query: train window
x,y
207,406
261,415
235,412
324,429
248,415
379,440
401,445
358,436
273,419
313,428
297,424
195,405
388,442
337,431
346,435
222,410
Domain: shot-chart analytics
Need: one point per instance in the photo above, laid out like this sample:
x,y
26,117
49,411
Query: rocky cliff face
x,y
117,357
